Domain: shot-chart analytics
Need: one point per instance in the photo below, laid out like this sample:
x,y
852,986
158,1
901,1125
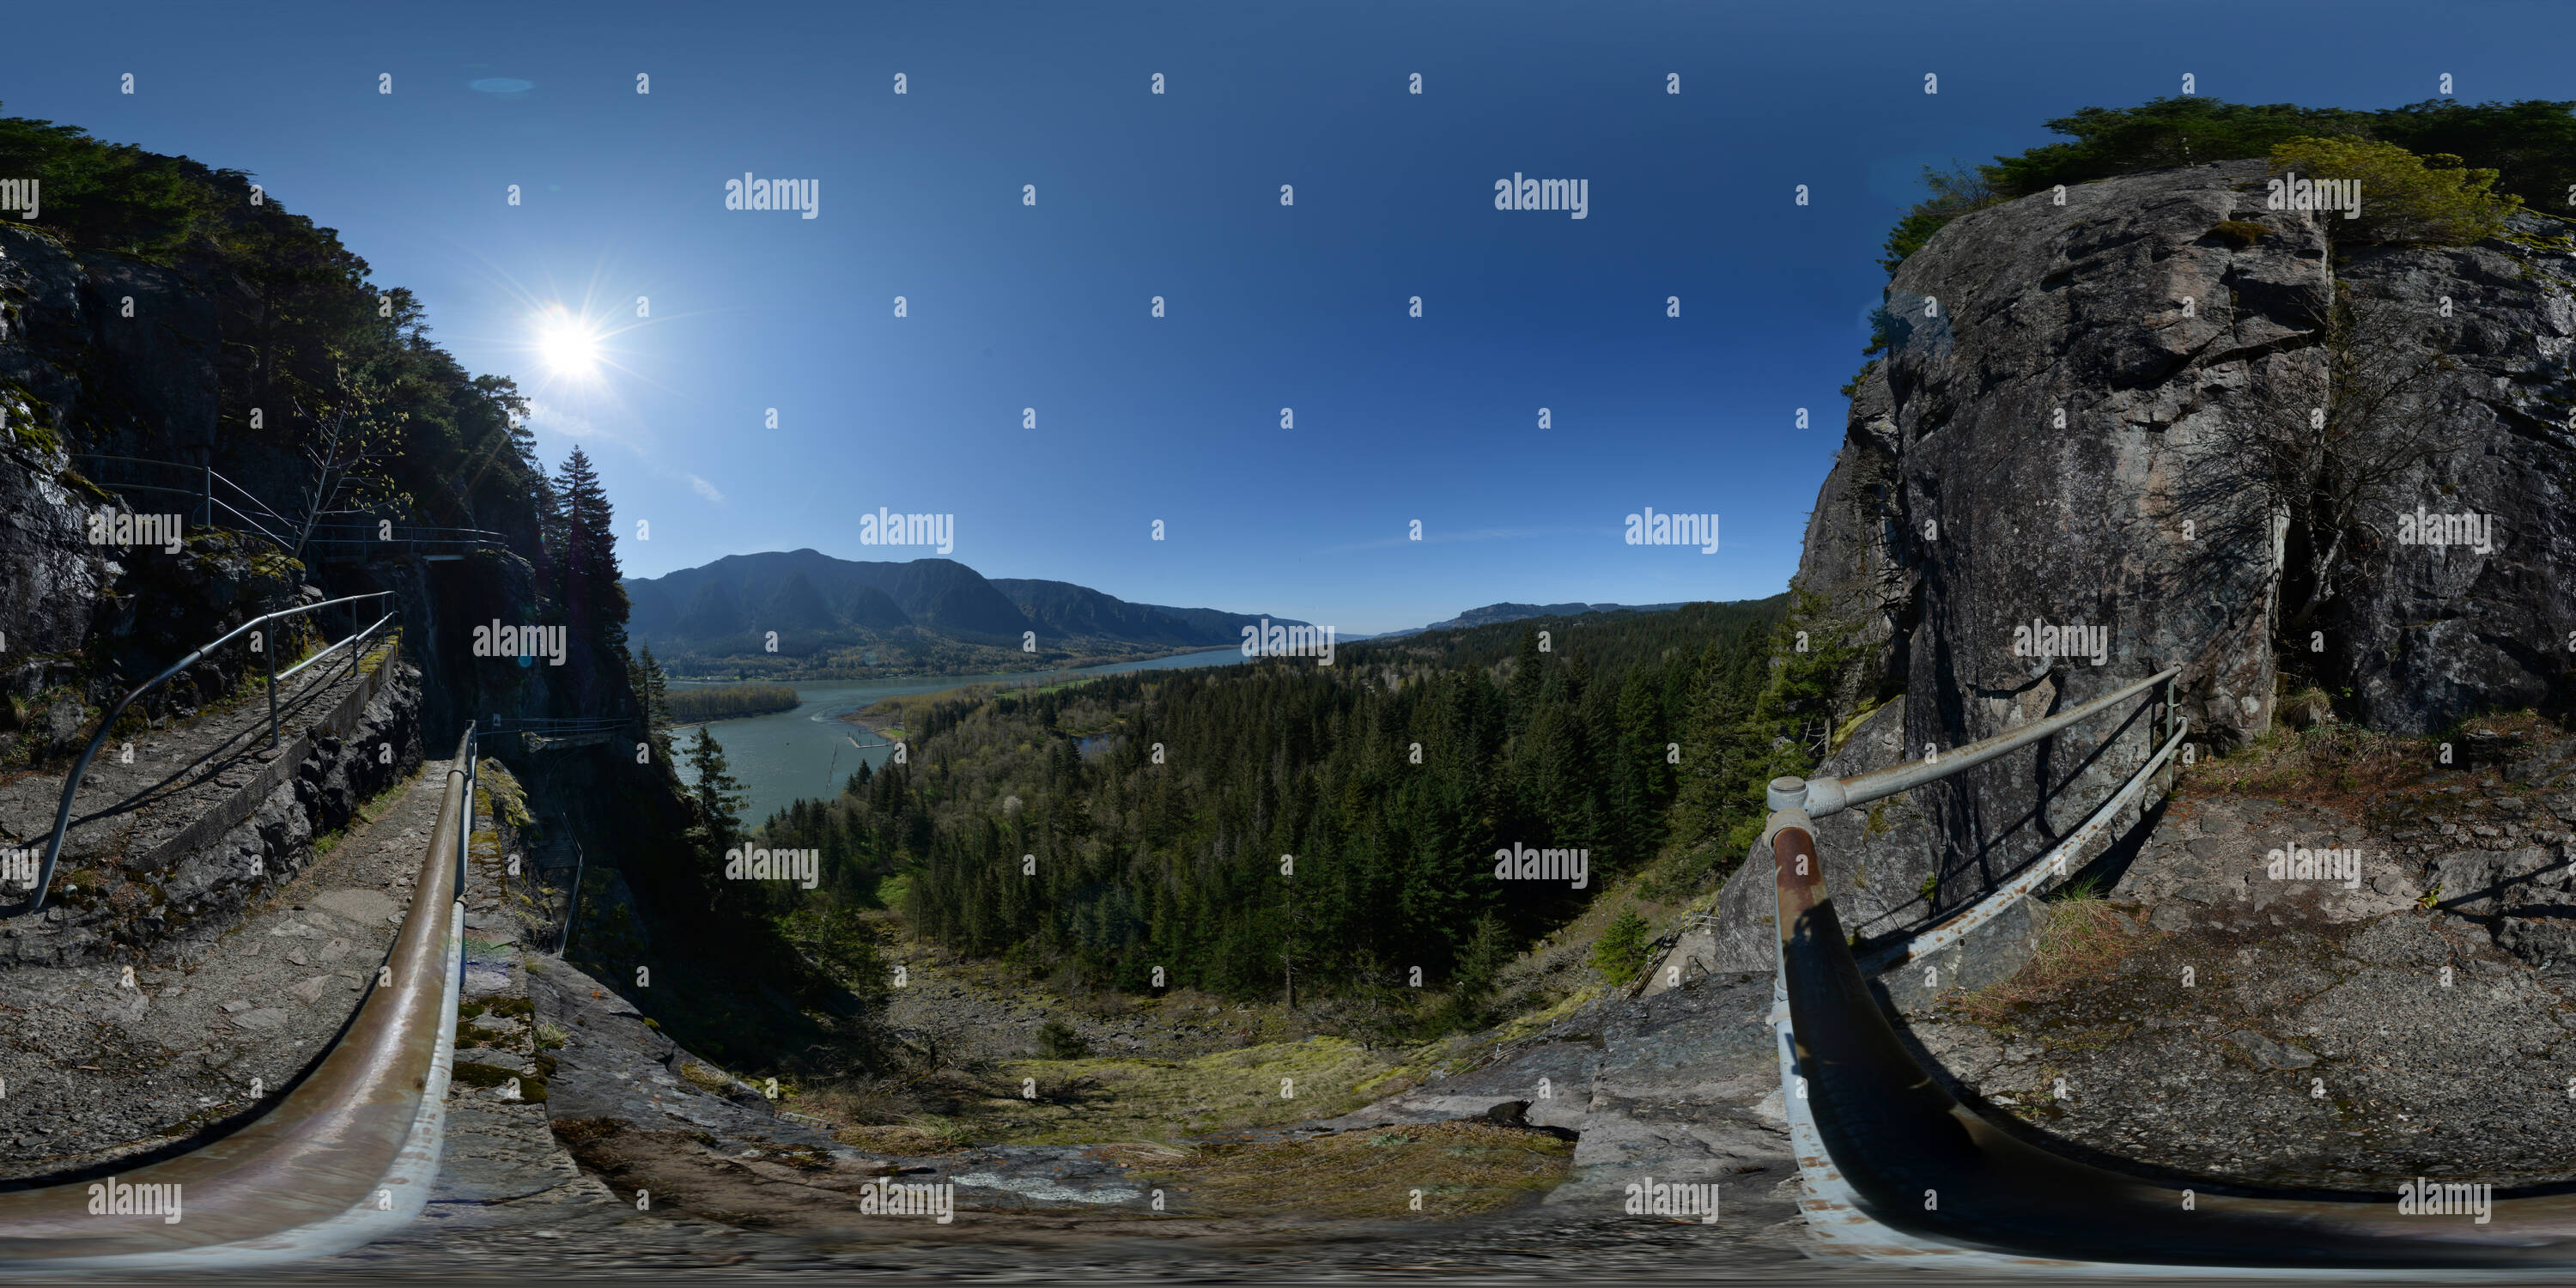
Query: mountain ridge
x,y
1512,612
821,607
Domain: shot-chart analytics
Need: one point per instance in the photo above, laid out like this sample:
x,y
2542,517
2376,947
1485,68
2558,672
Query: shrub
x,y
1955,192
2433,200
1058,1041
1621,953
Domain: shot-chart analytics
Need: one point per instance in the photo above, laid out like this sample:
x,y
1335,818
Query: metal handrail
x,y
572,913
350,1155
1815,798
205,493
1822,796
560,724
465,534
327,651
1932,939
478,538
71,784
210,472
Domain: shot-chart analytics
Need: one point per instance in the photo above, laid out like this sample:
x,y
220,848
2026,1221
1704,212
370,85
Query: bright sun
x,y
567,344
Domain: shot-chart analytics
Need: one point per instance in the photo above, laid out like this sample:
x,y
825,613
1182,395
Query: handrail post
x,y
269,651
572,915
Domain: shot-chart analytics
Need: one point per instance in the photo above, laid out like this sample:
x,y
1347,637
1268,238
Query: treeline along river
x,y
806,750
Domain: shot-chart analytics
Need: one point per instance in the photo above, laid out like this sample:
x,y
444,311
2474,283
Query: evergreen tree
x,y
1527,674
551,543
1642,784
594,602
1488,951
719,795
652,694
1719,749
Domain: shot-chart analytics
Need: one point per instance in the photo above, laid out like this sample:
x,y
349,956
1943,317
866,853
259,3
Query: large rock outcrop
x,y
2046,444
2432,633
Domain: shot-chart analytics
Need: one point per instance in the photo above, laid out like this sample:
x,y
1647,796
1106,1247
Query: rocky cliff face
x,y
100,353
103,354
107,355
2441,632
2045,448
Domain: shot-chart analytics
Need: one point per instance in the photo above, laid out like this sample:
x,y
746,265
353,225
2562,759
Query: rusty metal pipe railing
x,y
346,1157
1923,943
1822,796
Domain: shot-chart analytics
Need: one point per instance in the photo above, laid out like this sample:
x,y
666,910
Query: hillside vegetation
x,y
1287,831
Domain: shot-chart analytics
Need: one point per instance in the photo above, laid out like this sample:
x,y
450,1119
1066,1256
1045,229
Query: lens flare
x,y
567,344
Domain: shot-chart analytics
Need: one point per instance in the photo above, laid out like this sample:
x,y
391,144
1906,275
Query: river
x,y
787,755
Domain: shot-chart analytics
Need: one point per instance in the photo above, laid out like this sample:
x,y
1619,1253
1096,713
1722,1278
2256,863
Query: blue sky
x,y
1138,195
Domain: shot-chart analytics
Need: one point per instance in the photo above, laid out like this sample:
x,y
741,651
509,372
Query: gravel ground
x,y
2327,1034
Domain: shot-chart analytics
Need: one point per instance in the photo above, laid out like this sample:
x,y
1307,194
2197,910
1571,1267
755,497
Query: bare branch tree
x,y
345,450
2327,443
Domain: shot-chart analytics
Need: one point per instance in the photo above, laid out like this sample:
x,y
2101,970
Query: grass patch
x,y
704,1078
1462,1169
2243,232
1095,1101
2344,767
2332,764
532,1087
2084,938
